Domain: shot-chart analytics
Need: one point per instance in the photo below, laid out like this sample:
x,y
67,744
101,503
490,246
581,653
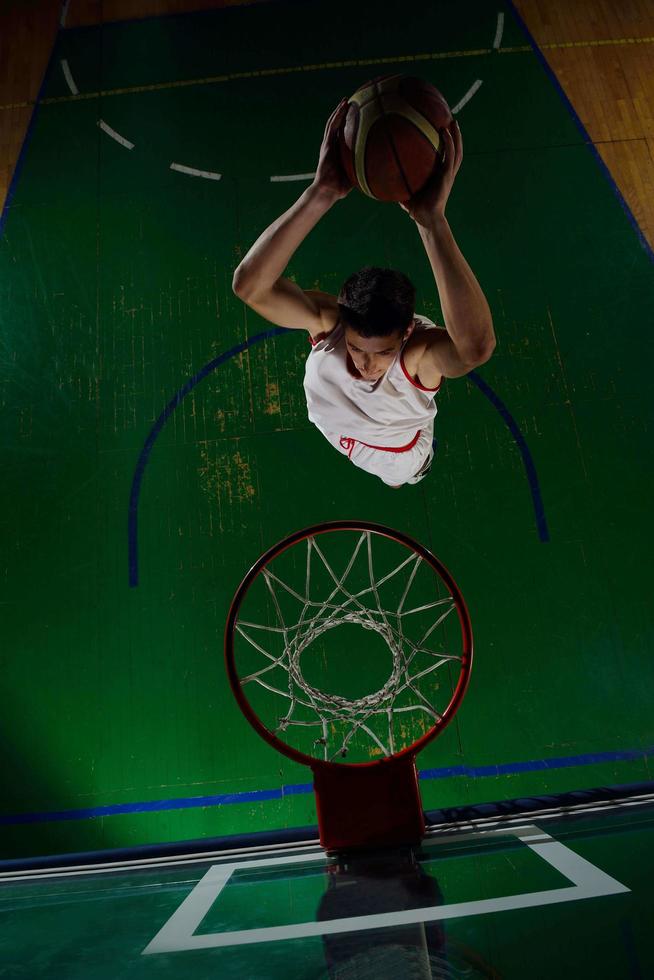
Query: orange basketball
x,y
389,139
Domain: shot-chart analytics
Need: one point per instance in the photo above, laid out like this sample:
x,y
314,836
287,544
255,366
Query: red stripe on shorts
x,y
348,443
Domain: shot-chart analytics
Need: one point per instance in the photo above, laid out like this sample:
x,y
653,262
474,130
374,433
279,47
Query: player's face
x,y
373,356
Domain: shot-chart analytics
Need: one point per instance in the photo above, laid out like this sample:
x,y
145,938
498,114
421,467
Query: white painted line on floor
x,y
466,98
112,868
179,932
192,172
69,78
499,32
292,177
114,135
64,13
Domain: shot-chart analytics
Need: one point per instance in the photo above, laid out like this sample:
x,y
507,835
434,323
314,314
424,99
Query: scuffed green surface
x,y
115,278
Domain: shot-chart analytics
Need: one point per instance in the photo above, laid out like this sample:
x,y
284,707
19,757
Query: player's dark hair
x,y
377,302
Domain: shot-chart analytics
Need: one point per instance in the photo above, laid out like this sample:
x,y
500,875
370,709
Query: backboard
x,y
474,901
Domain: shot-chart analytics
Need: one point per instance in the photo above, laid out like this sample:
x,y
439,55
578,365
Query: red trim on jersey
x,y
348,443
323,335
416,384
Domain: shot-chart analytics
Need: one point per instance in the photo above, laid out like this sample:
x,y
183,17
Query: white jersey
x,y
384,426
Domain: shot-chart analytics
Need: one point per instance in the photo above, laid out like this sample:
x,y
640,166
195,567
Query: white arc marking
x,y
292,177
69,78
466,98
114,135
499,32
192,172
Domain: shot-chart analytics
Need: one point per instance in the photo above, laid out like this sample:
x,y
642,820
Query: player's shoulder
x,y
421,338
423,323
417,360
327,308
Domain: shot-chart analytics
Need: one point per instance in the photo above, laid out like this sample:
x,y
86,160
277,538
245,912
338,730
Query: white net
x,y
331,695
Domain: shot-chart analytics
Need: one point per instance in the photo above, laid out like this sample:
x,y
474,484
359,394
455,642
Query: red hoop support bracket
x,y
371,805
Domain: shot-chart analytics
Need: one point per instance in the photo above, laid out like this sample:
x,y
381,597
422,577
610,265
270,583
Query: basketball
x,y
389,139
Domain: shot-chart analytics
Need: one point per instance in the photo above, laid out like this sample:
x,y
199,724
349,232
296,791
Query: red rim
x,y
439,568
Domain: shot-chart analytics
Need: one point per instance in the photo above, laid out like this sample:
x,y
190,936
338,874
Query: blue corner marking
x,y
132,532
582,129
527,459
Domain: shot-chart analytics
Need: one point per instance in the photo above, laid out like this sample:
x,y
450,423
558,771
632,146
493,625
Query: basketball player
x,y
374,367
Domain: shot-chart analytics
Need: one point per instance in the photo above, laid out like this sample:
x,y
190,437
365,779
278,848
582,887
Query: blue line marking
x,y
132,522
527,459
582,129
155,806
536,765
305,789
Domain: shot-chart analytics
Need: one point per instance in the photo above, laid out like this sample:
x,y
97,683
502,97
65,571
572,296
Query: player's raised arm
x,y
470,339
258,280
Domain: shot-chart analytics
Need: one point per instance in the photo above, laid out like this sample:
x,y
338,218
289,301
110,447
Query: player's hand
x,y
429,203
330,176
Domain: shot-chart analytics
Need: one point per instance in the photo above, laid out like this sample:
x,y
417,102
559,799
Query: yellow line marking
x,y
597,44
264,72
356,63
519,50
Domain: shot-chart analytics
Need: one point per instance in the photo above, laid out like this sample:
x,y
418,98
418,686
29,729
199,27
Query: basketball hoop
x,y
282,648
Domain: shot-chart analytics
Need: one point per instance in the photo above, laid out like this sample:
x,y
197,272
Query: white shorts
x,y
392,468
